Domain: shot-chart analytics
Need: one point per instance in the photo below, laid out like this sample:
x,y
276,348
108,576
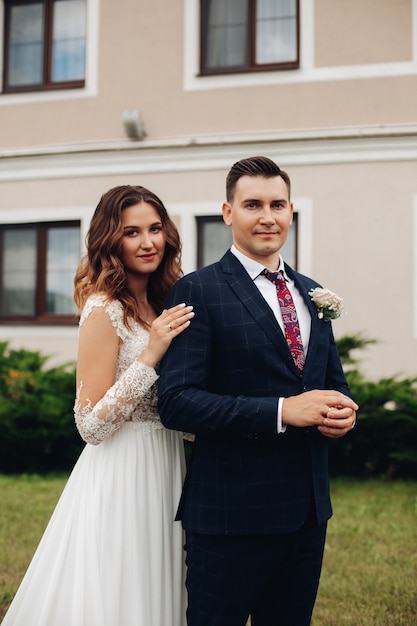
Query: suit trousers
x,y
272,578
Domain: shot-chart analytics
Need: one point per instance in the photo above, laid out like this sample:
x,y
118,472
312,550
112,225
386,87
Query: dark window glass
x,y
62,251
249,35
213,239
45,42
37,267
18,290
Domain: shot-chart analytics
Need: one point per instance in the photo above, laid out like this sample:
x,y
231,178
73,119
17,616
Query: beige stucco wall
x,y
363,246
354,32
361,243
60,152
140,65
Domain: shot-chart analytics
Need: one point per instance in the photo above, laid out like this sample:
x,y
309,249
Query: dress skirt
x,y
112,553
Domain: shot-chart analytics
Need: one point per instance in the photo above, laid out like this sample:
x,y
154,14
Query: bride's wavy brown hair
x,y
101,269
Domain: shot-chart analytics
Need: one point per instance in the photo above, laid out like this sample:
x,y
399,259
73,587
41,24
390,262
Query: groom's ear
x,y
227,213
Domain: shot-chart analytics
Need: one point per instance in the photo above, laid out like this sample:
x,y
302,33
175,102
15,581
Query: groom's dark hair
x,y
254,166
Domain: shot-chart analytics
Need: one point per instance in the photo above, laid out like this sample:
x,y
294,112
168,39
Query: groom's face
x,y
259,215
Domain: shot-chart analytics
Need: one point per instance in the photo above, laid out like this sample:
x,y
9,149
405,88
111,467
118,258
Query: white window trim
x,y
306,72
188,211
91,71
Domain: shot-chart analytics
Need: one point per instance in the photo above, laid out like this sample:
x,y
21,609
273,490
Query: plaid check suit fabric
x,y
289,317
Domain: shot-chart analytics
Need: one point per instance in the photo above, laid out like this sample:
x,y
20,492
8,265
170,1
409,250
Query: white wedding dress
x,y
112,554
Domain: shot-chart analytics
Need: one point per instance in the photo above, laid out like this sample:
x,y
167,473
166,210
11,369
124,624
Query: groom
x,y
263,389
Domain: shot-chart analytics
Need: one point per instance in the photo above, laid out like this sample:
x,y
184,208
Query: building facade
x,y
169,94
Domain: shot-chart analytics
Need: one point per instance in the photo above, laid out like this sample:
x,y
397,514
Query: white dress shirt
x,y
268,291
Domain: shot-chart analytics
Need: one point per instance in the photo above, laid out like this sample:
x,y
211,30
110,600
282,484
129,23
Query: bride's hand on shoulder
x,y
163,330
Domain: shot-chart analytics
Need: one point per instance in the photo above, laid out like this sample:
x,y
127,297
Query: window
x,y
45,43
37,267
214,238
249,35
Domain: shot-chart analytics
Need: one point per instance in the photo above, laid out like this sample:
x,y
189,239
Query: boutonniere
x,y
329,306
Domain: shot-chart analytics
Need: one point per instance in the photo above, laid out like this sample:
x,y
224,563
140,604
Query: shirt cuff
x,y
281,428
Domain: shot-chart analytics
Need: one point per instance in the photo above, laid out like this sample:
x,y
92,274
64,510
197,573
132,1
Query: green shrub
x,y
384,441
38,434
37,430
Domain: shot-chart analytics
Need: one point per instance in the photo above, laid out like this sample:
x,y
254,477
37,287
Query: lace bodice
x,y
133,396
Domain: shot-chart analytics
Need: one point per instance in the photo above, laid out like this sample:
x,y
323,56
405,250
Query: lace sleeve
x,y
96,423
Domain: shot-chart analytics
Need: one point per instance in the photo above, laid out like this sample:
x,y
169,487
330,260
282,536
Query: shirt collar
x,y
253,268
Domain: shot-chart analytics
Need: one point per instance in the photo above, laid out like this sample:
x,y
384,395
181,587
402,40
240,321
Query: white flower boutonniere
x,y
329,305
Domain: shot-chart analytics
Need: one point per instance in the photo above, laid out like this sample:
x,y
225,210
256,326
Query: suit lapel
x,y
249,295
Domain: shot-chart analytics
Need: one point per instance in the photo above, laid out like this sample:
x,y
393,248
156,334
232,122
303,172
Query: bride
x,y
111,554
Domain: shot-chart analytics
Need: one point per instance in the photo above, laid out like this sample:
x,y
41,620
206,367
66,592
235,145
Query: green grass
x,y
370,566
26,505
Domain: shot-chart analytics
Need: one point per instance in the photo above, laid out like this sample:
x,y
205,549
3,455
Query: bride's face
x,y
143,239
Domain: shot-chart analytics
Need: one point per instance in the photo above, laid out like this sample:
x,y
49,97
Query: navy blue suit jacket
x,y
221,379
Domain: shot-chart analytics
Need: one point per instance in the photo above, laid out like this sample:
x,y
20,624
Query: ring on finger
x,y
169,326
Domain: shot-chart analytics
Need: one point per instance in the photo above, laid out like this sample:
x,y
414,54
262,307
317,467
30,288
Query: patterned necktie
x,y
289,317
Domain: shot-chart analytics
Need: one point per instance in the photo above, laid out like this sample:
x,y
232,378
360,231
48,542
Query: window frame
x,y
251,65
47,84
41,316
